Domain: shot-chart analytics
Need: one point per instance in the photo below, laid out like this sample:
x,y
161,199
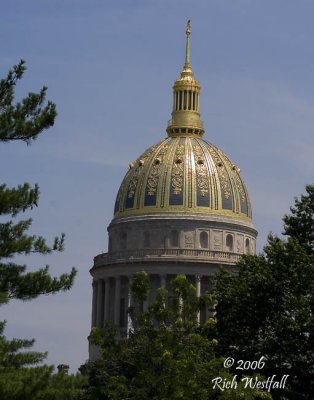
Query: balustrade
x,y
162,254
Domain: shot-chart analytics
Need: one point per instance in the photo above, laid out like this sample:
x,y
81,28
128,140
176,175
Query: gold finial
x,y
186,92
188,28
187,50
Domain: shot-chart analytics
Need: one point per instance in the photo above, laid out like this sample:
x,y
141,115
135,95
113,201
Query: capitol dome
x,y
182,208
183,174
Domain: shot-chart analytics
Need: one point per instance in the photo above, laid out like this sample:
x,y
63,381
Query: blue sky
x,y
109,66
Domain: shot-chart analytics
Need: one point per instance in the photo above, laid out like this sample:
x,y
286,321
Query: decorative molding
x,y
153,178
240,187
240,244
152,181
217,240
177,170
188,240
222,173
202,178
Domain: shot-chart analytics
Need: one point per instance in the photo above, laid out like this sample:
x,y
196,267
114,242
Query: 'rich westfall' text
x,y
254,382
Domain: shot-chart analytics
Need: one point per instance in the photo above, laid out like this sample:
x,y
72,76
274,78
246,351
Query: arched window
x,y
174,239
146,239
204,240
123,240
110,244
247,246
229,242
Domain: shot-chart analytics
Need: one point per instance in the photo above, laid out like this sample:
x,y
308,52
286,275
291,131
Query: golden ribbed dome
x,y
183,173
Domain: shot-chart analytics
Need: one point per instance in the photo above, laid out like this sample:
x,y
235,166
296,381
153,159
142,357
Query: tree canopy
x,y
267,307
300,223
167,355
26,119
20,377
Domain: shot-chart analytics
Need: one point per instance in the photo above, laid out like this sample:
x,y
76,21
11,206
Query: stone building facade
x,y
182,208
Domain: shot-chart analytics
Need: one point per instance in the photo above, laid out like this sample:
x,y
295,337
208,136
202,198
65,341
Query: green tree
x,y
23,121
20,382
267,308
61,386
300,223
166,356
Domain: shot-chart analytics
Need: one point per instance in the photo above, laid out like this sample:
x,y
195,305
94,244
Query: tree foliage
x,y
20,377
26,119
300,223
267,308
167,355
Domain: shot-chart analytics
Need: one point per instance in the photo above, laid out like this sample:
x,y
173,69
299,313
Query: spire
x,y
187,48
187,72
186,90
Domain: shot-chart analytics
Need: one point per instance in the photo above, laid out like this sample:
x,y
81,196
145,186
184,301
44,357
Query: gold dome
x,y
184,173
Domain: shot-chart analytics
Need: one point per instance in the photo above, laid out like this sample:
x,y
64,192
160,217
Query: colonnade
x,y
112,297
186,100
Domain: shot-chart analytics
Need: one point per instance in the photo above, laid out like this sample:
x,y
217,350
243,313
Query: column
x,y
163,283
180,307
107,288
117,301
147,301
100,304
198,294
94,305
163,279
129,327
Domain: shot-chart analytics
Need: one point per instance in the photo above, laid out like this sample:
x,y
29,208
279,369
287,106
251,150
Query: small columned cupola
x,y
186,100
